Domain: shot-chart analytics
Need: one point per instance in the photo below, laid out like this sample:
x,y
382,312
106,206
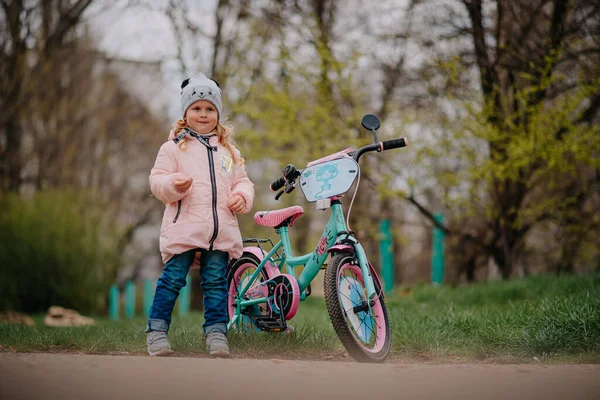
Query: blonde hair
x,y
224,133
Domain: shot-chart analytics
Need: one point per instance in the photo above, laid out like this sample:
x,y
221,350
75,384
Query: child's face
x,y
202,117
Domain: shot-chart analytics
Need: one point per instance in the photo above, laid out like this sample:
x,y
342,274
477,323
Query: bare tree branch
x,y
481,49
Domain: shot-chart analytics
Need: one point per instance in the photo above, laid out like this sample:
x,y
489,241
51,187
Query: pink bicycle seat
x,y
276,217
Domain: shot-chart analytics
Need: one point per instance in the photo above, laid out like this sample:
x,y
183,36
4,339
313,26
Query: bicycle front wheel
x,y
363,326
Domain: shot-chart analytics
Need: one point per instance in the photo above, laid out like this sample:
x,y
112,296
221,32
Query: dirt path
x,y
64,376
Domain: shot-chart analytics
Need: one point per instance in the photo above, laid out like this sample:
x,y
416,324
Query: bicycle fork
x,y
359,252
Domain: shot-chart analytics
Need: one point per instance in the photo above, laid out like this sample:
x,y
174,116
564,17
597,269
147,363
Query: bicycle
x,y
262,297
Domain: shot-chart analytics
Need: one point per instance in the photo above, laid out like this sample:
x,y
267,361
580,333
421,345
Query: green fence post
x,y
437,257
129,299
386,255
184,296
113,303
148,295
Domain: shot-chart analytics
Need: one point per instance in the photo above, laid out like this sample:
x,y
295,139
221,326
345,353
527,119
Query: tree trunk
x,y
13,156
507,250
470,270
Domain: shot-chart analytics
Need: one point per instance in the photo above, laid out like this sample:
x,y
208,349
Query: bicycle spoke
x,y
356,279
367,319
348,299
354,285
375,321
363,322
351,301
361,325
359,291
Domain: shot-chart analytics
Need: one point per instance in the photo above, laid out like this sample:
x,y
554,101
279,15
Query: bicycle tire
x,y
342,320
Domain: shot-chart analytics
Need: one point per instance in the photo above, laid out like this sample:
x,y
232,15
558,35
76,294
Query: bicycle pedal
x,y
269,324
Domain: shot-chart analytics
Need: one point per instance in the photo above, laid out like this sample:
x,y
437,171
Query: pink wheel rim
x,y
366,325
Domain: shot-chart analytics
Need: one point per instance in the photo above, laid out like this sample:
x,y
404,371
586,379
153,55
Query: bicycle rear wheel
x,y
239,274
362,326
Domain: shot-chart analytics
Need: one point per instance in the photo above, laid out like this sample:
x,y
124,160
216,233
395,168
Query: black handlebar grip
x,y
394,143
278,184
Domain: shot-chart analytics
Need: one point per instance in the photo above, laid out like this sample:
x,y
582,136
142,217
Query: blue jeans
x,y
214,285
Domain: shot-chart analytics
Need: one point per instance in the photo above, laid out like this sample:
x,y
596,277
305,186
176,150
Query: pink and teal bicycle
x,y
263,297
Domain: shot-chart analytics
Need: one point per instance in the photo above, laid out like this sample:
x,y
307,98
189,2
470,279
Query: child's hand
x,y
237,203
181,185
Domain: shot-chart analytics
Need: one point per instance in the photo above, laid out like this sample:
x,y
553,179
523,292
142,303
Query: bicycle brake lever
x,y
279,194
289,187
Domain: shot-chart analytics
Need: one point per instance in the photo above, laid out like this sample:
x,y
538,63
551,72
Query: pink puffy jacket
x,y
199,218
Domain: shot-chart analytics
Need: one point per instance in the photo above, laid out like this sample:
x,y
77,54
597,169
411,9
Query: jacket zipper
x,y
178,211
213,182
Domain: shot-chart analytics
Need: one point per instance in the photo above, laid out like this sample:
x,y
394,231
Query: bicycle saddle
x,y
275,218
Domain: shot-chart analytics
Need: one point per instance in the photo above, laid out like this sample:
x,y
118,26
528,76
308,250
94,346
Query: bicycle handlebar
x,y
278,184
387,145
394,143
290,173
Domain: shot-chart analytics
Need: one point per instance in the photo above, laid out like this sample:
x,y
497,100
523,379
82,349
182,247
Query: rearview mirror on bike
x,y
371,123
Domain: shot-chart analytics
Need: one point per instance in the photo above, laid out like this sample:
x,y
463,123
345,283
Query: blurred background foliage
x,y
56,248
499,101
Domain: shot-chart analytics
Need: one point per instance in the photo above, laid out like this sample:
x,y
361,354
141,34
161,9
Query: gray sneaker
x,y
216,344
158,345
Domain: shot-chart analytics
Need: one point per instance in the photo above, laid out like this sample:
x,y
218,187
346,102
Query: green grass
x,y
545,319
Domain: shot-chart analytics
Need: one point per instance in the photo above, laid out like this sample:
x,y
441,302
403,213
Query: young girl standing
x,y
200,176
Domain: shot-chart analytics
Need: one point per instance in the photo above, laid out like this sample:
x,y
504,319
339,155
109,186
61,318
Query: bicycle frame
x,y
312,262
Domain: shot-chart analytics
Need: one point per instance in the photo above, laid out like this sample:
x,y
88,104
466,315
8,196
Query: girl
x,y
201,178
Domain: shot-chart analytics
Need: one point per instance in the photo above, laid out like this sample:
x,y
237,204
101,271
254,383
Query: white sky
x,y
144,33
